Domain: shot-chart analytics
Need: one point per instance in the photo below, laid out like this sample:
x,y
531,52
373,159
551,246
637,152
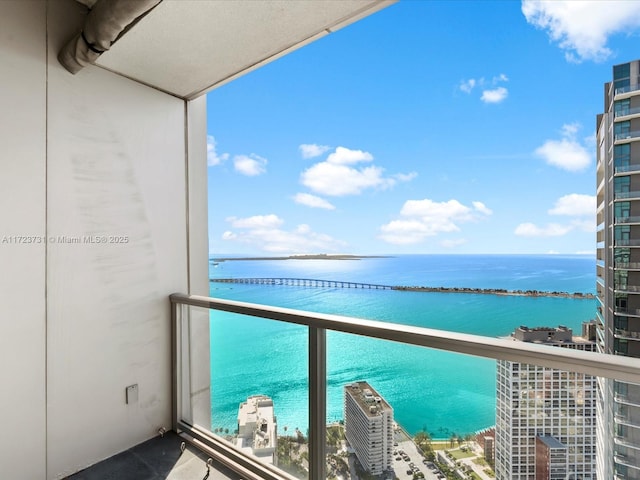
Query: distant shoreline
x,y
320,256
498,291
315,283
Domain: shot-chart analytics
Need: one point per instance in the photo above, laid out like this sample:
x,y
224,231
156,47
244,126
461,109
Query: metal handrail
x,y
591,363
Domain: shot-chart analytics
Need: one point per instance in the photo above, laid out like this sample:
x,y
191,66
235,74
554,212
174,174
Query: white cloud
x,y
338,180
426,218
481,207
581,207
492,92
575,205
582,28
405,177
566,153
310,150
264,232
467,85
496,95
312,201
250,165
257,221
551,230
338,175
346,156
213,158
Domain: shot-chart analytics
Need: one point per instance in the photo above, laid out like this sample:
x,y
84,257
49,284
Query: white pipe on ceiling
x,y
105,23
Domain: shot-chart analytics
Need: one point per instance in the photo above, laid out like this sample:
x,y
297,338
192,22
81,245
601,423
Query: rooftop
x,y
548,335
552,442
368,398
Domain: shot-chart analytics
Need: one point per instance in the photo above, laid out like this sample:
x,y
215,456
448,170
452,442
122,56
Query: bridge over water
x,y
302,282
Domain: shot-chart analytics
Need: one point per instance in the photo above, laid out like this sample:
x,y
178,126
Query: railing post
x,y
175,365
317,402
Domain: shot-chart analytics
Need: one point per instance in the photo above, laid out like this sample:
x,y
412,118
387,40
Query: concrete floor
x,y
157,459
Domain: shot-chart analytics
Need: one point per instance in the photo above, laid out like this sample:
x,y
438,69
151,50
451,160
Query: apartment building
x,y
368,422
258,429
618,269
545,418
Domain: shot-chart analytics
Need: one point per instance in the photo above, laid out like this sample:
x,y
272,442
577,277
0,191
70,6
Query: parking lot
x,y
407,461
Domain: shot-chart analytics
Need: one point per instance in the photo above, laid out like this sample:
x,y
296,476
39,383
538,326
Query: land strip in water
x,y
315,283
318,256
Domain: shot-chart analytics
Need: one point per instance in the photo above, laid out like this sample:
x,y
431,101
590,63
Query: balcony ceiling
x,y
188,47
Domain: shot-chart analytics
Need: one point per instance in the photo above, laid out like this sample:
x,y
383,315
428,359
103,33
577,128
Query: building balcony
x,y
629,312
627,168
627,334
627,242
627,289
624,137
626,195
627,220
622,419
628,266
627,89
627,113
624,460
626,400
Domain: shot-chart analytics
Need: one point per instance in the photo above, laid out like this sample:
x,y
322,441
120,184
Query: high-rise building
x,y
545,418
368,422
258,429
618,269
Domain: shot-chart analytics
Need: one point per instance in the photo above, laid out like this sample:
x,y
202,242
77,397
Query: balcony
x,y
628,265
627,334
625,195
628,111
632,312
189,310
624,136
624,460
627,89
626,242
624,399
624,419
627,168
627,288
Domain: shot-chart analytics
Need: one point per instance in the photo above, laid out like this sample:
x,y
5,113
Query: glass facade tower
x,y
618,269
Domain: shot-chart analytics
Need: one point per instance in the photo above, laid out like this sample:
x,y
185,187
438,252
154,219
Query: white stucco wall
x,y
86,157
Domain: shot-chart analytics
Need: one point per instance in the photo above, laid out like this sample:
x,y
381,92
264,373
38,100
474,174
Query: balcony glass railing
x,y
627,400
626,195
624,459
627,311
626,135
625,242
628,421
628,111
233,344
627,169
628,265
627,89
628,334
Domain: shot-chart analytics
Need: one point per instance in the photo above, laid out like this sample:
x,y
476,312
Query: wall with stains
x,y
95,169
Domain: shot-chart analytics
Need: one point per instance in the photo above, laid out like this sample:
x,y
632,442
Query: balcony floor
x,y
156,459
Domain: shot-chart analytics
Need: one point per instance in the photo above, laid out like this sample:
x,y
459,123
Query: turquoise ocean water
x,y
446,393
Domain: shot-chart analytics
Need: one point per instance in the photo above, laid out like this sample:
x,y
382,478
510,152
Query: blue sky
x,y
428,127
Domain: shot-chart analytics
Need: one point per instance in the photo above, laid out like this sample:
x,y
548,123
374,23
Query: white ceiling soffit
x,y
188,47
